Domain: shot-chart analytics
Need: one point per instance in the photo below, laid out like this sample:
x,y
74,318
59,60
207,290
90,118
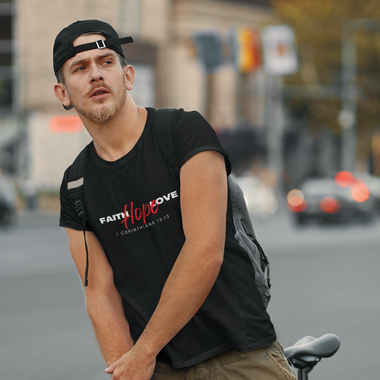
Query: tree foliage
x,y
318,26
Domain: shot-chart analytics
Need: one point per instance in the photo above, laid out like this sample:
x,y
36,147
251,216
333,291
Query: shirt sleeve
x,y
193,134
68,217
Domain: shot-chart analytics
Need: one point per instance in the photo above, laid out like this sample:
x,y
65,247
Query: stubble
x,y
101,115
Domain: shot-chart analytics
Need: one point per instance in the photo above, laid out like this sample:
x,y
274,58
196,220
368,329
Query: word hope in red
x,y
139,213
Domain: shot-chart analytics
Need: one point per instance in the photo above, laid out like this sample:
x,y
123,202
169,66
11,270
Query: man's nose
x,y
96,74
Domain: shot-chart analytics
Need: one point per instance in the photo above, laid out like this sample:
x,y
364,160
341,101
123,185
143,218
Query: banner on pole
x,y
279,47
244,47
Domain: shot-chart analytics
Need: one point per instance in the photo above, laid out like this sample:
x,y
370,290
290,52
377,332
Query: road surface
x,y
324,280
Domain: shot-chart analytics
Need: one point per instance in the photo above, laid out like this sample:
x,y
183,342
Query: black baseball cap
x,y
63,45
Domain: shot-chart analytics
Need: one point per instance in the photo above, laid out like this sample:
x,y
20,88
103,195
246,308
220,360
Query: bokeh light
x,y
296,201
329,205
344,179
360,191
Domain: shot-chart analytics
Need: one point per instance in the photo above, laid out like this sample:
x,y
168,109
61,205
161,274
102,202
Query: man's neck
x,y
114,139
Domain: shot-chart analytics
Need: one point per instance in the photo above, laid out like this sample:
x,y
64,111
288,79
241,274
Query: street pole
x,y
209,96
274,110
348,115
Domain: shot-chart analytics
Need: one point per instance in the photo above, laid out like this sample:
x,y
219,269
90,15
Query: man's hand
x,y
134,365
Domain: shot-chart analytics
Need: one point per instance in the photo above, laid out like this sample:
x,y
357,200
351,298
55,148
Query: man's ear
x,y
61,94
129,73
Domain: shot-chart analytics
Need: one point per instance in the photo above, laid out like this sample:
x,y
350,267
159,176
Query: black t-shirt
x,y
133,207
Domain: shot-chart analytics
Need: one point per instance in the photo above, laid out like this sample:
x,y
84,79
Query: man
x,y
170,293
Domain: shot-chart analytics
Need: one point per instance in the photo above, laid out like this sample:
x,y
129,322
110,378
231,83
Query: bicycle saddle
x,y
312,350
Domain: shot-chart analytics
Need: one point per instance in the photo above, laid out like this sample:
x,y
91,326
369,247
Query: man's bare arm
x,y
103,302
203,207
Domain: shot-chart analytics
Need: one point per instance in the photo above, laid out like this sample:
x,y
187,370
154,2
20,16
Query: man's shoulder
x,y
79,160
181,112
75,171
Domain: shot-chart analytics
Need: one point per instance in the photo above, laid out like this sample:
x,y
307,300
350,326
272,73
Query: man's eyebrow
x,y
106,55
84,60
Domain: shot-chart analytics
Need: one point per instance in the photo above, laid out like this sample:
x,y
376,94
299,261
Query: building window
x,y
6,54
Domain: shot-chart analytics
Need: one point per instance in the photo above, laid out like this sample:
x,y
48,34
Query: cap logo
x,y
100,44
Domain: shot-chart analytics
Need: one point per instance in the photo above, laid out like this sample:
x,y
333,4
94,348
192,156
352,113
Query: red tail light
x,y
329,205
360,192
344,179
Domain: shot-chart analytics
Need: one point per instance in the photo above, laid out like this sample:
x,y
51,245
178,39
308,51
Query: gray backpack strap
x,y
75,188
247,240
75,182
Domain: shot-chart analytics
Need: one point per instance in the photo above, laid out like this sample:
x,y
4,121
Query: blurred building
x,y
35,127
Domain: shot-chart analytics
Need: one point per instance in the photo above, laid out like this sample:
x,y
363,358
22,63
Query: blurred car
x,y
259,197
326,201
8,201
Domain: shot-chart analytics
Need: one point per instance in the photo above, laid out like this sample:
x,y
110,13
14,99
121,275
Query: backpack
x,y
245,236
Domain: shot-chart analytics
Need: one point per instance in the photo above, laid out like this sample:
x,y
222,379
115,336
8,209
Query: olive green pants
x,y
268,363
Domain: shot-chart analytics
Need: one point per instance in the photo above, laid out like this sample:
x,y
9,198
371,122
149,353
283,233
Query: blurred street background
x,y
291,87
324,279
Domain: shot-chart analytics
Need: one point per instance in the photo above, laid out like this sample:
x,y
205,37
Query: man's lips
x,y
99,92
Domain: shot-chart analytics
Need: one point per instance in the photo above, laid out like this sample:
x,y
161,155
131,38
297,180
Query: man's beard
x,y
102,115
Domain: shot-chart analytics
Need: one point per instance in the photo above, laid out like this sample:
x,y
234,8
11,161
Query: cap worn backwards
x,y
64,48
63,45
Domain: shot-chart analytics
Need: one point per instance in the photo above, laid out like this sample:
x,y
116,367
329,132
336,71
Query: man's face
x,y
95,82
